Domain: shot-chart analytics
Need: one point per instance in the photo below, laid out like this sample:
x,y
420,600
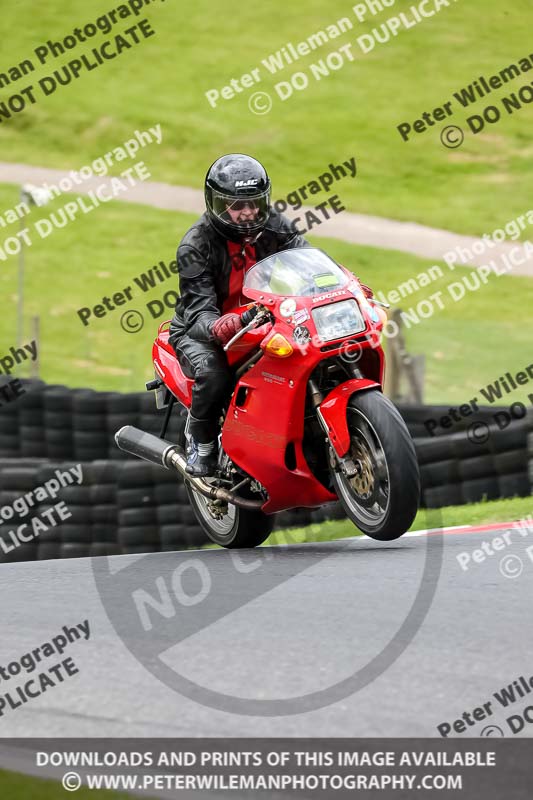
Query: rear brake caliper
x,y
217,508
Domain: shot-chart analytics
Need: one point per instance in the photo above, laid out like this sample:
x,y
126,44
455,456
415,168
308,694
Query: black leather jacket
x,y
204,267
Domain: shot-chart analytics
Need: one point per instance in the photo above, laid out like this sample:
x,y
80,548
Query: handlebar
x,y
249,315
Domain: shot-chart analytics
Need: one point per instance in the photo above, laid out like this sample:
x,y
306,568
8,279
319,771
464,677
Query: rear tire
x,y
383,499
239,527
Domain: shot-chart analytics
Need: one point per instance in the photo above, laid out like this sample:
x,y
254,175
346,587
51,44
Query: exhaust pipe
x,y
165,454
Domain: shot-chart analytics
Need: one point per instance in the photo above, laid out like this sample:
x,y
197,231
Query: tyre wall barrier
x,y
480,460
129,506
121,506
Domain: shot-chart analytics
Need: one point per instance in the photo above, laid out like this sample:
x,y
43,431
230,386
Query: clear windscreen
x,y
301,272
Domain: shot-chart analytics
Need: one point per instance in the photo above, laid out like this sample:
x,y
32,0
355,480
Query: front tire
x,y
382,499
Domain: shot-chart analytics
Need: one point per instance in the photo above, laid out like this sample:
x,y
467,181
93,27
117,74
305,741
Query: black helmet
x,y
237,196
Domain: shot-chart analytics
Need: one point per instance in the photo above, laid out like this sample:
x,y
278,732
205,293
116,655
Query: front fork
x,y
345,463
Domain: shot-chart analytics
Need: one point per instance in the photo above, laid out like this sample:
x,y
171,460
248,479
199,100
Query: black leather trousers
x,y
206,362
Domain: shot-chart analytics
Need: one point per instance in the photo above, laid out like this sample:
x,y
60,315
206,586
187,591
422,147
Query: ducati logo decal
x,y
328,295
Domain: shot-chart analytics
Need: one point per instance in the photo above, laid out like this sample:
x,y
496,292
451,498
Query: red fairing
x,y
264,426
333,410
169,370
265,416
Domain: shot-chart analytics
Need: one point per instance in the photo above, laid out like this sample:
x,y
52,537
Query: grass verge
x,y
105,250
14,786
353,111
483,513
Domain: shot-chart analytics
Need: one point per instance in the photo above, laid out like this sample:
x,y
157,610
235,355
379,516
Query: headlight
x,y
338,320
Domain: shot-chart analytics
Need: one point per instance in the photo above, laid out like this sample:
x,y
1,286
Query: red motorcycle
x,y
307,422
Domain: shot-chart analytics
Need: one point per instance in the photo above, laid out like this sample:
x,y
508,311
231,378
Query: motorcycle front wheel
x,y
383,497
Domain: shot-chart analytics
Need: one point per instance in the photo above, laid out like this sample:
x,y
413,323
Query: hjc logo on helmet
x,y
250,182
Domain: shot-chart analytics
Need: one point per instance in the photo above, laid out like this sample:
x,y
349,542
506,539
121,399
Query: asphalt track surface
x,y
273,625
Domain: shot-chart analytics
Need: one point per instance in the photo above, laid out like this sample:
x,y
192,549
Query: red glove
x,y
225,328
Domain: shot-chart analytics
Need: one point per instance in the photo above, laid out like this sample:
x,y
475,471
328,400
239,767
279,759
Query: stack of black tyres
x,y
32,439
177,522
15,480
71,537
529,421
151,420
417,418
101,478
137,519
90,526
57,422
459,469
89,430
121,409
154,513
439,473
9,430
509,452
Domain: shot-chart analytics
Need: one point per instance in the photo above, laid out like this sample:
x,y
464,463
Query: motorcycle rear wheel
x,y
383,498
238,527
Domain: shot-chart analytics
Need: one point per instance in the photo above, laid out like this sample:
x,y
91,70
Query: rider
x,y
238,228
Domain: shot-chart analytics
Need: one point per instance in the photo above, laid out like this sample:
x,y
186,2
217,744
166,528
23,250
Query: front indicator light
x,y
279,346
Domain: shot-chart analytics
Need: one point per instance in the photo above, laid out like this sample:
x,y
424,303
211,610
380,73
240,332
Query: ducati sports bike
x,y
307,422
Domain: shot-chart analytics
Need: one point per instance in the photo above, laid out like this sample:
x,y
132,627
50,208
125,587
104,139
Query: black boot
x,y
200,466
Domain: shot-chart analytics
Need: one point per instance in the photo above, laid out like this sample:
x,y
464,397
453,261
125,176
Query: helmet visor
x,y
245,213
